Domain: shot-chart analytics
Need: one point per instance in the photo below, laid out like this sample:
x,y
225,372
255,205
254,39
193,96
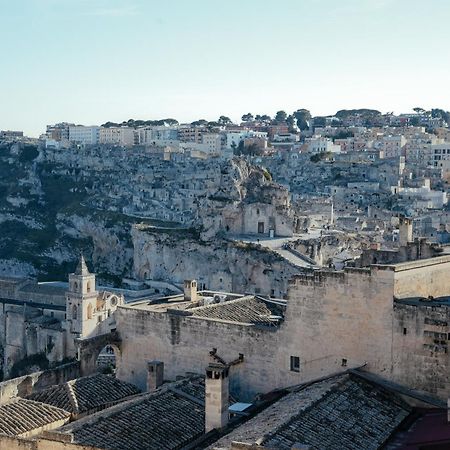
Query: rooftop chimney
x,y
190,290
216,397
155,375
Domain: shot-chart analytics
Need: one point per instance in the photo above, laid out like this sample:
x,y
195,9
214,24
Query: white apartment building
x,y
84,135
117,136
318,144
158,135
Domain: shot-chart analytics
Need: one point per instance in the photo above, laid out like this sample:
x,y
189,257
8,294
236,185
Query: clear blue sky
x,y
89,61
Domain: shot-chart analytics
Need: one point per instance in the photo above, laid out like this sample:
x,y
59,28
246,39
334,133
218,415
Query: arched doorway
x,y
90,349
107,359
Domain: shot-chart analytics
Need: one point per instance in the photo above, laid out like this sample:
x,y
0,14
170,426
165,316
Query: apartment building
x,y
117,136
80,134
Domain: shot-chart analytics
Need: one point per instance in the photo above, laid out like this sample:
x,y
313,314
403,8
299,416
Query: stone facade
x,y
41,319
333,319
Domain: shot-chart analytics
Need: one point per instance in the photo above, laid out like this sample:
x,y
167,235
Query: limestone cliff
x,y
219,265
55,203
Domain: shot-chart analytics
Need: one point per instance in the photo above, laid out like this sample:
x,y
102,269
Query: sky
x,y
92,61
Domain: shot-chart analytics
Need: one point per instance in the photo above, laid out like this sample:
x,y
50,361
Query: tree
x,y
265,118
200,122
291,123
440,113
303,117
171,121
414,121
224,120
419,110
247,117
280,117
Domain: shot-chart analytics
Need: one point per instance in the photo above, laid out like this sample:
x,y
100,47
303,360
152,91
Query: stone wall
x,y
420,342
37,381
183,344
333,321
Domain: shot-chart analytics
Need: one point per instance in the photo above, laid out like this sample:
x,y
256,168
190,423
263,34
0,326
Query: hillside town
x,y
278,283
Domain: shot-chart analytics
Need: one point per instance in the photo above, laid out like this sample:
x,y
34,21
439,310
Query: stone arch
x,y
107,359
88,351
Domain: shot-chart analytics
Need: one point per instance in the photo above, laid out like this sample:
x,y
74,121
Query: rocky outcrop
x,y
220,265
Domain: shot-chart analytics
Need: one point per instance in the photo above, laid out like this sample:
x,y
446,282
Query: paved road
x,y
276,244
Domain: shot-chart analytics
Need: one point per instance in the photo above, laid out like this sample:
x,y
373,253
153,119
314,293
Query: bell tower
x,y
81,300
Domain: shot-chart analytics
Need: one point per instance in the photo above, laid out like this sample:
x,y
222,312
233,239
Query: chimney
x,y
405,233
155,375
190,290
216,397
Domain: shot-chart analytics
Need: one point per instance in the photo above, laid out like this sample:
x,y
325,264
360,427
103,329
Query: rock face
x,y
99,200
218,265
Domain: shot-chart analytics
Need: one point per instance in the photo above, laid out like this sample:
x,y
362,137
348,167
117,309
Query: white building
x,y
423,197
322,145
233,138
157,135
212,142
84,135
117,136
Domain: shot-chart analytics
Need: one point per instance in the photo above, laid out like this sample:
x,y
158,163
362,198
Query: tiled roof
x,y
355,414
344,412
168,418
87,393
247,309
22,416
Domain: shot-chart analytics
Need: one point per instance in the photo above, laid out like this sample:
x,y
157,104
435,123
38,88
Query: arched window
x,y
75,286
88,287
74,312
89,311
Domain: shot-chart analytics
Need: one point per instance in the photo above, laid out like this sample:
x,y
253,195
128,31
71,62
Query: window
x,y
344,362
295,364
405,330
89,312
74,312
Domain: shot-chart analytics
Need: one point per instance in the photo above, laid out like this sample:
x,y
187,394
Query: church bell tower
x,y
81,300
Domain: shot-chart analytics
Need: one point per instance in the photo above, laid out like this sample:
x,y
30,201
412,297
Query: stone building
x,y
45,319
392,319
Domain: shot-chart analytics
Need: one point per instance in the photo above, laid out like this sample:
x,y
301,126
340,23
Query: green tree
x,y
247,117
303,117
280,117
224,120
200,122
